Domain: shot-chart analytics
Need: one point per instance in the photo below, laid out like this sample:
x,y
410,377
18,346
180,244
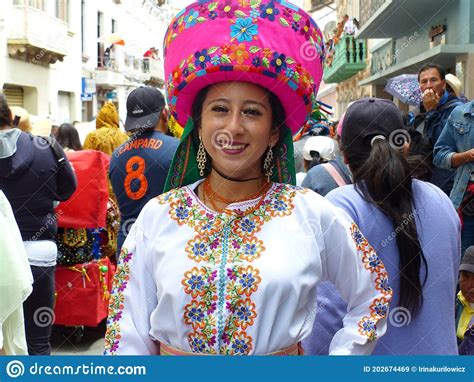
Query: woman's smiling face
x,y
236,128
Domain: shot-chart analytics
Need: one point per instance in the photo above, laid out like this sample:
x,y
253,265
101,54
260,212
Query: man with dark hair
x,y
437,105
139,167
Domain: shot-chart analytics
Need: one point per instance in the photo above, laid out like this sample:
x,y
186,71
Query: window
x,y
14,95
38,4
62,10
114,26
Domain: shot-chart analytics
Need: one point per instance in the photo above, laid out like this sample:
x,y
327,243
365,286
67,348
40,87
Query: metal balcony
x,y
349,58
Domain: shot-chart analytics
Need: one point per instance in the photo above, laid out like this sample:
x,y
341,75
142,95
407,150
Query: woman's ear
x,y
274,138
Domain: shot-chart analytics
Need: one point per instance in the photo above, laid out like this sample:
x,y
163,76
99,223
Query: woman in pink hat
x,y
228,261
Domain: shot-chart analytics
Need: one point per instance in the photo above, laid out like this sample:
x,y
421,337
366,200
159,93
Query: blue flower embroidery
x,y
381,309
244,313
243,29
256,61
368,326
247,280
201,58
279,62
280,205
254,13
199,249
269,11
240,347
198,345
196,282
215,60
247,225
374,261
250,249
182,212
191,18
196,315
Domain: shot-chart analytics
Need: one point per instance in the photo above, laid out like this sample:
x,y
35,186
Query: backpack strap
x,y
334,174
57,150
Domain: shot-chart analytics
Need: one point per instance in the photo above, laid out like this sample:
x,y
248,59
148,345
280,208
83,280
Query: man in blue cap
x,y
139,167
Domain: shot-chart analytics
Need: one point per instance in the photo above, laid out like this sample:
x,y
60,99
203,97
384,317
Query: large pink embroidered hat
x,y
271,43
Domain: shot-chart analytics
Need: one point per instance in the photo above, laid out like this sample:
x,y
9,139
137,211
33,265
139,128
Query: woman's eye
x,y
254,112
220,109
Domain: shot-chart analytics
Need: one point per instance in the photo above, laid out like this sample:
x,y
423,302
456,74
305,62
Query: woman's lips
x,y
234,148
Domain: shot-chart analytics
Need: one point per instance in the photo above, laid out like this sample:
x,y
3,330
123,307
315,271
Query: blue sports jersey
x,y
138,171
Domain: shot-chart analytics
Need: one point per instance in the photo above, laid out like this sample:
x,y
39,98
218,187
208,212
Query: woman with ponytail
x,y
411,225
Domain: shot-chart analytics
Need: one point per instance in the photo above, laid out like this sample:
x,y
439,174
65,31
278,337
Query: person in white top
x,y
228,261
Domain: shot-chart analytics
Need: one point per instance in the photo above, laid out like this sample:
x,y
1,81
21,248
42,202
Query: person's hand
x,y
430,99
471,155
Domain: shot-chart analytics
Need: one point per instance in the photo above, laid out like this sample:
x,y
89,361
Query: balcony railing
x,y
155,69
35,36
348,59
368,8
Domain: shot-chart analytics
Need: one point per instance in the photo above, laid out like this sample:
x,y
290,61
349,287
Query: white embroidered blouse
x,y
239,283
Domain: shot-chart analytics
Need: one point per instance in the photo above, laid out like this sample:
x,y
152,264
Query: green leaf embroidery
x,y
266,62
225,59
240,13
212,49
255,3
254,49
191,67
296,17
284,22
201,19
290,61
212,6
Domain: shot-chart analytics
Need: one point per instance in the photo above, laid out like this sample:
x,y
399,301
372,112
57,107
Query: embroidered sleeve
x,y
360,276
132,300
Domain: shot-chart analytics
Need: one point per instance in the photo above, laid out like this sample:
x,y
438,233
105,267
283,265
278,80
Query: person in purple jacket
x,y
413,228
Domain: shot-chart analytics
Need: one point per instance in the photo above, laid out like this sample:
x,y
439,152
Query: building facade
x,y
53,59
412,33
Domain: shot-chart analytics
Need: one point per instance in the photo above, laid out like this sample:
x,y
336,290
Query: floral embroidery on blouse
x,y
222,283
372,263
116,302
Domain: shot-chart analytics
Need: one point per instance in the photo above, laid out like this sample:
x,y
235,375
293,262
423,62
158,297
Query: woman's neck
x,y
230,190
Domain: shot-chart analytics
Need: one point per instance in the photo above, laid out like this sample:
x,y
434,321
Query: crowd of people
x,y
221,246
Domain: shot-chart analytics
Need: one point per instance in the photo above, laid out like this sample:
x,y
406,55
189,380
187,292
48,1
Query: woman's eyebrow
x,y
246,102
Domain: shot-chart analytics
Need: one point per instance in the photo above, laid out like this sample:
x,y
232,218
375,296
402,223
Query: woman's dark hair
x,y
278,117
5,113
67,136
383,176
420,156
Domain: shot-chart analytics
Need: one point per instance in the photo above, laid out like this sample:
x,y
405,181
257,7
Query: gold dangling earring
x,y
268,163
201,158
